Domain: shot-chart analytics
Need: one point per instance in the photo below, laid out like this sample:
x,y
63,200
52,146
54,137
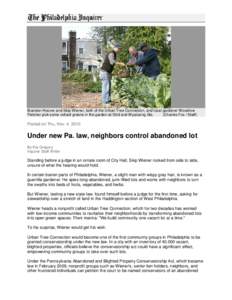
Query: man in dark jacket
x,y
149,62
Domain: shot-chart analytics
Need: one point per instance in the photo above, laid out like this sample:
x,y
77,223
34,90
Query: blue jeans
x,y
106,86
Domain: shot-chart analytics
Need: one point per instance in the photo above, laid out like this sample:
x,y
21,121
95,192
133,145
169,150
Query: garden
x,y
129,89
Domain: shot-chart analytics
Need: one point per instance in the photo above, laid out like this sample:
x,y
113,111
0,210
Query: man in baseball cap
x,y
106,71
142,46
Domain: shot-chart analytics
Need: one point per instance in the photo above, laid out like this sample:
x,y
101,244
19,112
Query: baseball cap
x,y
117,45
142,46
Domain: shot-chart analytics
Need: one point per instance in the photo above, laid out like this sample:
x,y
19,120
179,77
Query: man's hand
x,y
130,65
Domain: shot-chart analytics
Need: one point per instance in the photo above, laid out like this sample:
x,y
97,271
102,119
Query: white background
x,y
214,129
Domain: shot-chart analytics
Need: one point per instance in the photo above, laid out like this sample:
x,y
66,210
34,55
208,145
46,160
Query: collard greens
x,y
140,91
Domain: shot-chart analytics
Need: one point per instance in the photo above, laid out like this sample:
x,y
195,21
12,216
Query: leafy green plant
x,y
84,80
77,75
141,91
93,86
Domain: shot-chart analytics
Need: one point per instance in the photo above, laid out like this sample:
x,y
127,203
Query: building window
x,y
81,51
64,66
64,47
80,65
98,49
91,68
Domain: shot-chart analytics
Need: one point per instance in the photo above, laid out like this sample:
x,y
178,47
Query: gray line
x,y
118,22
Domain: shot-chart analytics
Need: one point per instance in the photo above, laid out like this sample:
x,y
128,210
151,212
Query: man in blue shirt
x,y
149,62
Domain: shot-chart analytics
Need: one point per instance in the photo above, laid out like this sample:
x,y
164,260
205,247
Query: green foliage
x,y
84,80
78,76
93,86
140,91
103,33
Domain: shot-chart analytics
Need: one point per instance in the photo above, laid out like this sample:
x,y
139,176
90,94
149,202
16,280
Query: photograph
x,y
116,66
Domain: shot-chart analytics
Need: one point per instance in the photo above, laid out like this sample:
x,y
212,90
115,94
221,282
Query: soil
x,y
73,96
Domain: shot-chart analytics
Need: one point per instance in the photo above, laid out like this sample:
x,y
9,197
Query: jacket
x,y
150,63
107,66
